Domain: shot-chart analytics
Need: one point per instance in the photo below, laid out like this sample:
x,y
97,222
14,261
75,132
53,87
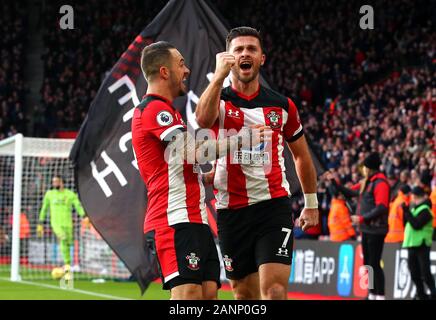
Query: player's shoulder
x,y
227,94
273,97
265,96
152,103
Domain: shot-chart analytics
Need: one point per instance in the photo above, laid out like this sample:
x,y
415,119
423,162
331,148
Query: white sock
x,y
371,296
379,297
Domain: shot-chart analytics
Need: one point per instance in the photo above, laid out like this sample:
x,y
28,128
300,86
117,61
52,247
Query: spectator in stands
x,y
12,64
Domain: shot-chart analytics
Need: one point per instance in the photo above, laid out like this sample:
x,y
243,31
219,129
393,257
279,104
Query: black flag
x,y
109,185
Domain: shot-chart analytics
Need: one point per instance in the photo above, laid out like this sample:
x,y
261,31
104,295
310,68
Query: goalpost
x,y
27,166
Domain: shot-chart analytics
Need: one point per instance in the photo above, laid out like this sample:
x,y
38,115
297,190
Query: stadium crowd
x,y
76,61
359,90
12,65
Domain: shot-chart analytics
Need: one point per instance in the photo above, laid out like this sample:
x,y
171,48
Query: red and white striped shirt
x,y
241,185
175,192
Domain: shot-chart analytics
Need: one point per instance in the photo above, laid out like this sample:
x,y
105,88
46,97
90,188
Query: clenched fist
x,y
308,218
224,63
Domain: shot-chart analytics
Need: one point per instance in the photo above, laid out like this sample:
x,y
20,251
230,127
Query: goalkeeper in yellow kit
x,y
60,202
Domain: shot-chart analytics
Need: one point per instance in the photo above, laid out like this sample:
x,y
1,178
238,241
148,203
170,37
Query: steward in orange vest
x,y
433,208
395,219
339,221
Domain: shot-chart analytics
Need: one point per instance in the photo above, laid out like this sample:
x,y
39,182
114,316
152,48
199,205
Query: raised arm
x,y
207,110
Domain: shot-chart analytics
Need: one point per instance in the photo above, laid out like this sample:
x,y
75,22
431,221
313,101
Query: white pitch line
x,y
89,293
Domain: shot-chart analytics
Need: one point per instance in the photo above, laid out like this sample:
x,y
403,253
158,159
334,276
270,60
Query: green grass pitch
x,y
83,290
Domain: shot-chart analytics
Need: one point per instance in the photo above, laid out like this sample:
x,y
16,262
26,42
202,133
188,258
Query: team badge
x,y
228,263
164,118
193,262
274,119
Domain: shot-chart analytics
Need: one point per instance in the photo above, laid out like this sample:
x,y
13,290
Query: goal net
x,y
29,252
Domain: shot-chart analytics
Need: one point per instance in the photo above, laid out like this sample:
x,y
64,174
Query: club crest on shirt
x,y
164,118
228,263
274,119
193,261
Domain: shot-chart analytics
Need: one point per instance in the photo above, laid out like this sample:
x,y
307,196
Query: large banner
x,y
334,269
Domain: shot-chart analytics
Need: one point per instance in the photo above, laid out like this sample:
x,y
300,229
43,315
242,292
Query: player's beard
x,y
178,85
247,79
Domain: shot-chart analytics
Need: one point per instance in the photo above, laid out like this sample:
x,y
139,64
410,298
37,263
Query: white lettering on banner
x,y
123,147
309,269
130,95
317,272
309,256
403,285
298,266
111,168
190,115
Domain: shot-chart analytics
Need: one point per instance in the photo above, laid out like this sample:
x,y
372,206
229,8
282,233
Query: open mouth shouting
x,y
184,81
246,66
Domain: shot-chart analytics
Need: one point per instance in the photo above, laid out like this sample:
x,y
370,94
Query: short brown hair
x,y
243,32
155,56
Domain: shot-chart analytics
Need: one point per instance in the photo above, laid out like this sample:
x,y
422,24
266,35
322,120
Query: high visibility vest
x,y
433,206
415,238
24,227
395,219
339,221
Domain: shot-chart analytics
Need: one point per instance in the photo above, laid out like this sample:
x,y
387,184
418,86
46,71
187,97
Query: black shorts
x,y
186,254
255,235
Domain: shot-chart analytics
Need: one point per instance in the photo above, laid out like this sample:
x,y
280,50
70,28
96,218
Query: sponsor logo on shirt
x,y
233,113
